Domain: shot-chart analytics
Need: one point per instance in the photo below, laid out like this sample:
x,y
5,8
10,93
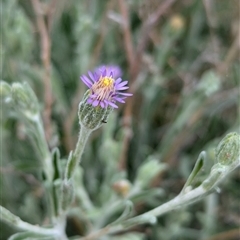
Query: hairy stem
x,y
74,160
17,222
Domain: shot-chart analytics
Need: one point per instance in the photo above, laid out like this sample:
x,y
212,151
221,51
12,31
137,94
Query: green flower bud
x,y
25,100
92,117
228,150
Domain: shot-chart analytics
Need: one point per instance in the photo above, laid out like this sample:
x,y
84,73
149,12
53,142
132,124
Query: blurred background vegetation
x,y
182,62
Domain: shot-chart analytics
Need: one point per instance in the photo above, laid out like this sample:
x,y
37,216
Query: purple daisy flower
x,y
106,86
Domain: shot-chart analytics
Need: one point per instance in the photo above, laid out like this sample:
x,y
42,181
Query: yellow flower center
x,y
104,88
107,81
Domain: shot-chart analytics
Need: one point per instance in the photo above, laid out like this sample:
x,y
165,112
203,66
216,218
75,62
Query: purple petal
x,y
112,104
96,77
95,103
86,81
90,100
119,100
121,84
124,94
87,84
86,78
118,81
104,73
91,75
93,96
116,70
102,104
122,88
107,69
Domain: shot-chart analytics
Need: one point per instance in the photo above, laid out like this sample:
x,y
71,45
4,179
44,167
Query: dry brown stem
x,y
97,234
127,36
128,45
231,55
233,234
50,13
45,42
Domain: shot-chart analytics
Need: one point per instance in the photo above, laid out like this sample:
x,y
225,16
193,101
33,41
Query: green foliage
x,y
186,97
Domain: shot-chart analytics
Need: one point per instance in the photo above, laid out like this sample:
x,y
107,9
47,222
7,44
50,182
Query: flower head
x,y
105,86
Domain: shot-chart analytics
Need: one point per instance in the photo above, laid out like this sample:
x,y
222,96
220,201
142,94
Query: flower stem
x,y
74,159
14,220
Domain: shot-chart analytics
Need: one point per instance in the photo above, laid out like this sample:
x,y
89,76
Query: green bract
x,y
92,117
228,150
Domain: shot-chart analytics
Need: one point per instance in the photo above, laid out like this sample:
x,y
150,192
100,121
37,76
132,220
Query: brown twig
x,y
233,234
97,234
127,36
232,53
128,44
135,68
46,60
50,13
